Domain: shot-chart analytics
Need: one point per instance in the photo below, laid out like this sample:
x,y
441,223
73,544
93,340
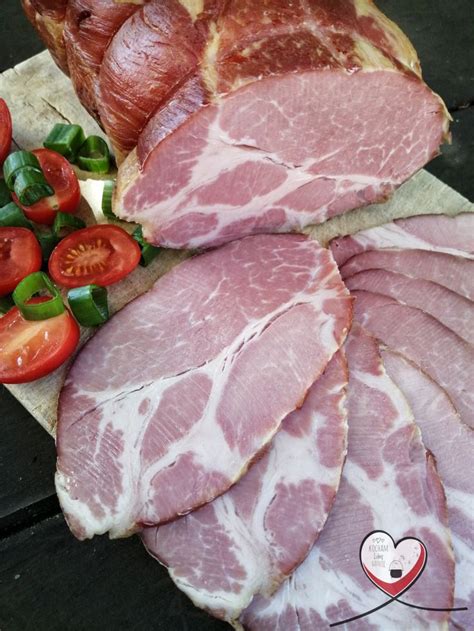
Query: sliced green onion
x,y
94,155
5,197
31,186
107,196
6,303
17,161
65,139
31,285
65,222
89,304
149,252
11,215
48,241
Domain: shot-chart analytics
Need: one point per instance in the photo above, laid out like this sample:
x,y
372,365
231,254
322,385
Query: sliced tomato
x,y
100,255
31,349
61,177
20,255
5,131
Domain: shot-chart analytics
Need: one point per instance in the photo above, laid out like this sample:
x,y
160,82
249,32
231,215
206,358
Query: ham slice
x,y
443,355
453,272
168,404
451,309
389,483
250,539
434,233
452,444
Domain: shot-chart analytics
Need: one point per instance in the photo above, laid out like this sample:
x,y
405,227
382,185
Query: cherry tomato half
x,y
67,193
31,349
101,255
20,255
5,131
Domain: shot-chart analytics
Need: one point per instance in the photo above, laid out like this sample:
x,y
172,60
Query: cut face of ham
x,y
389,483
250,539
244,117
263,136
452,444
451,309
424,340
173,398
241,166
434,233
238,42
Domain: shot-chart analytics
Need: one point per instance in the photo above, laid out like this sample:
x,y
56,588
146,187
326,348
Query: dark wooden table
x,y
48,580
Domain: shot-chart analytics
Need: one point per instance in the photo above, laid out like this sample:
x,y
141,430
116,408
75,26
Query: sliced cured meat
x,y
442,231
452,444
453,272
250,539
167,405
389,483
451,309
47,16
89,28
438,351
271,143
435,233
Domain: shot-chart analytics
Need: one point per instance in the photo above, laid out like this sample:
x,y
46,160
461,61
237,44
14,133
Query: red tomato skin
x,y
60,175
5,131
27,258
125,259
42,366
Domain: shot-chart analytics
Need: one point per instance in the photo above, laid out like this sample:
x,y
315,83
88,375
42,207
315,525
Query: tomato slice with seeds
x,y
99,255
31,349
20,255
5,131
67,193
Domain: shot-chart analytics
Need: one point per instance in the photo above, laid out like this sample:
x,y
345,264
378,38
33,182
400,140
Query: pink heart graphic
x,y
392,567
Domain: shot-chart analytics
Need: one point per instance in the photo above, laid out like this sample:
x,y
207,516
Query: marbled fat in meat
x,y
227,169
244,117
452,444
442,354
396,490
172,399
250,539
271,142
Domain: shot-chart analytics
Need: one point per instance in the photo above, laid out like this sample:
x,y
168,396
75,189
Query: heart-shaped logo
x,y
392,567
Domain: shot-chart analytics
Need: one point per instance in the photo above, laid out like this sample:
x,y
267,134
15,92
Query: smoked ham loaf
x,y
241,117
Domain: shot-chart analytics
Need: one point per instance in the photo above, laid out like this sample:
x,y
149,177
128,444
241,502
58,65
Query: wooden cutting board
x,y
39,96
